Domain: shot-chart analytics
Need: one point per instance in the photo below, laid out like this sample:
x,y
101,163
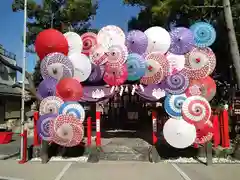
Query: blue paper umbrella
x,y
173,105
136,65
204,34
73,108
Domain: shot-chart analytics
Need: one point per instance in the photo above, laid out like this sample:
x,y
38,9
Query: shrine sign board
x,y
236,106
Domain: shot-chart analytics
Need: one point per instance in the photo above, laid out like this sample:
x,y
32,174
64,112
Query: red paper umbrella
x,y
157,68
196,110
49,41
89,41
115,75
200,62
66,131
205,133
205,87
69,89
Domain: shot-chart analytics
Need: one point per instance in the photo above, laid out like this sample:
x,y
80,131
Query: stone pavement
x,y
13,147
11,170
122,170
214,172
116,170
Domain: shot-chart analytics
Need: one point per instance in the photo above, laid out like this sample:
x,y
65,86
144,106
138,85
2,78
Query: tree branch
x,y
32,88
207,7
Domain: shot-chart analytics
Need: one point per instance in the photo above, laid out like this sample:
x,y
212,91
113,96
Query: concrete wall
x,y
13,108
10,106
10,112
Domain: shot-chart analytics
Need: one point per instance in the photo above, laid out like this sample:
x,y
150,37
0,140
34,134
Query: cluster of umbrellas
x,y
174,64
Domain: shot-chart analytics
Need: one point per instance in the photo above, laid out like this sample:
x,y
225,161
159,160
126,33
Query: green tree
x,y
63,15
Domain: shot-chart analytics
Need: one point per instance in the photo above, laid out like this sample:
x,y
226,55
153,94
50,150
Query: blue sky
x,y
109,12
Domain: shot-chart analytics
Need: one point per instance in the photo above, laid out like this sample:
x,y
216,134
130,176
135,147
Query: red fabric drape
x,y
216,132
225,129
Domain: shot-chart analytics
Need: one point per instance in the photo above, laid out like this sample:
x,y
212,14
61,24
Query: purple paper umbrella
x,y
152,92
136,42
176,83
43,126
96,93
47,88
182,40
96,74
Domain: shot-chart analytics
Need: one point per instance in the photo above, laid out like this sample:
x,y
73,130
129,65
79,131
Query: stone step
x,y
121,156
113,152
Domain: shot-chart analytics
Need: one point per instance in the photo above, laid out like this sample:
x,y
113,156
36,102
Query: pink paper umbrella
x,y
199,63
157,68
98,55
117,55
205,133
66,131
196,110
89,41
205,87
115,76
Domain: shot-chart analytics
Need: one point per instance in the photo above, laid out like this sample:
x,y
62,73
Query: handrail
x,y
6,53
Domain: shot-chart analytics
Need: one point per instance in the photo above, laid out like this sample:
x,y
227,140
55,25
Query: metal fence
x,y
6,53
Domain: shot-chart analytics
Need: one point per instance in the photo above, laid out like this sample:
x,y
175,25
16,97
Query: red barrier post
x,y
89,131
36,138
154,127
24,155
98,131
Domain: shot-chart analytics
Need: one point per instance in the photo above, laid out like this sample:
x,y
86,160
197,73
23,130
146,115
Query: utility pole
x,y
23,78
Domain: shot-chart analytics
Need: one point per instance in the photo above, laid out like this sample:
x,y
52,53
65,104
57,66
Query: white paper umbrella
x,y
111,35
179,133
176,63
82,66
159,39
75,43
